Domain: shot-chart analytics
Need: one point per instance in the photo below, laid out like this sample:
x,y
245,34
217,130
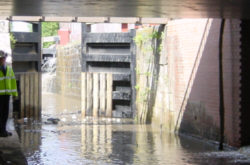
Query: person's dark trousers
x,y
4,111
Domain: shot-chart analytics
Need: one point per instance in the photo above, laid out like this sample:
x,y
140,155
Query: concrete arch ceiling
x,y
127,8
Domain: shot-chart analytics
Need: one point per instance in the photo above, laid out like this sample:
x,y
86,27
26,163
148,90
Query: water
x,y
111,141
117,144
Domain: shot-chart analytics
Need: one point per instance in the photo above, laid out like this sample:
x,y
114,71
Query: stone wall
x,y
148,41
68,70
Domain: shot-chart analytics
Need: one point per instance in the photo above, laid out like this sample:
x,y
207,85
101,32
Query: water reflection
x,y
107,142
113,144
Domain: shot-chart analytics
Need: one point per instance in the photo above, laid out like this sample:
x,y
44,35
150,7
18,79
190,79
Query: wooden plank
x,y
95,94
27,94
102,94
31,76
89,94
39,95
109,95
83,95
36,96
22,95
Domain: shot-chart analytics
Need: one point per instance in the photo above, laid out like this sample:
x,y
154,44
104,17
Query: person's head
x,y
3,56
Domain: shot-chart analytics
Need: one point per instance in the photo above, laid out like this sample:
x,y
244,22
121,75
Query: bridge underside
x,y
127,8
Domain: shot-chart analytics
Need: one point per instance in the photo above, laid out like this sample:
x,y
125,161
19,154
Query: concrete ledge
x,y
60,19
26,18
154,20
131,20
92,19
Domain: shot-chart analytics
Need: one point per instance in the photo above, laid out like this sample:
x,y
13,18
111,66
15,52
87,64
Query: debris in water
x,y
52,121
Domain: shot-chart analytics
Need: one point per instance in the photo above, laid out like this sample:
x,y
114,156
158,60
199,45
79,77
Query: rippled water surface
x,y
111,142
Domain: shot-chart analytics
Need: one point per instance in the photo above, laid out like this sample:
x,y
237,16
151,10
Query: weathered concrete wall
x,y
187,93
148,41
68,71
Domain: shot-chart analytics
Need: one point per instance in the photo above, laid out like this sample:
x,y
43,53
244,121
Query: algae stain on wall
x,y
148,65
197,122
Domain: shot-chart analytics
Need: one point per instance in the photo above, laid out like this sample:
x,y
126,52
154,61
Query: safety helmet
x,y
3,54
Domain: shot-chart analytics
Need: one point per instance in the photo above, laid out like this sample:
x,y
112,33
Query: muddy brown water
x,y
111,141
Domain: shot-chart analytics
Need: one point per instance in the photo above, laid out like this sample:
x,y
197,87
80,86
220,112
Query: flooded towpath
x,y
110,141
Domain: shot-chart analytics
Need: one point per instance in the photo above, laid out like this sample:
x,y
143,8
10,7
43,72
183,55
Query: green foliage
x,y
137,71
48,44
142,37
138,39
147,48
144,94
137,87
145,36
12,41
148,74
49,29
155,35
162,34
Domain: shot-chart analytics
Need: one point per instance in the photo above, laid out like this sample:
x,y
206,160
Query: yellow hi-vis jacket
x,y
8,82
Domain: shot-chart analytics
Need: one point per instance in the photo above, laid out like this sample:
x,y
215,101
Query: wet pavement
x,y
112,141
10,148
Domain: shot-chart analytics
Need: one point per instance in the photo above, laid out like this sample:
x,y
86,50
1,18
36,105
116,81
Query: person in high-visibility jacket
x,y
7,88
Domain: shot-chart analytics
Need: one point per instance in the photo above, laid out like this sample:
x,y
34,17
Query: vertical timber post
x,y
37,94
27,93
22,96
83,94
109,95
96,94
102,94
31,76
89,94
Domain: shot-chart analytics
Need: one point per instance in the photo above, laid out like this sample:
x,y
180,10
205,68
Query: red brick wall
x,y
192,52
64,36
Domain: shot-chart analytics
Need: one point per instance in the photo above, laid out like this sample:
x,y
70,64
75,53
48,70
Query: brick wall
x,y
192,52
